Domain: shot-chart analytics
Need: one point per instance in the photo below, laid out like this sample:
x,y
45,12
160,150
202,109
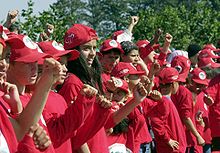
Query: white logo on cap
x,y
57,46
175,77
118,82
113,43
144,45
205,54
124,71
179,68
29,43
202,75
69,38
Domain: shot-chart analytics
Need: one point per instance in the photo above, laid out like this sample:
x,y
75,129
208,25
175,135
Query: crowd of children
x,y
121,97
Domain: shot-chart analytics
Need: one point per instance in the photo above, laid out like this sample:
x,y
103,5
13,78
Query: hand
x,y
11,17
11,96
173,144
134,20
49,29
208,100
104,102
41,139
140,93
156,95
52,70
88,90
113,84
168,38
157,35
200,140
155,68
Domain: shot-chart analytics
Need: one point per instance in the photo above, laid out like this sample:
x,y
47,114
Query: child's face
x,y
119,96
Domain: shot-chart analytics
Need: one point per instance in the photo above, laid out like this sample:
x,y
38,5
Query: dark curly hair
x,y
128,46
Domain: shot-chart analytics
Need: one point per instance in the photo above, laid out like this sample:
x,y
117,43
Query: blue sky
x,y
6,5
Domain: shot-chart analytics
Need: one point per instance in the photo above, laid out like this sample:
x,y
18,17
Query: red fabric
x,y
54,108
184,104
71,88
166,125
214,109
25,99
98,143
8,131
200,106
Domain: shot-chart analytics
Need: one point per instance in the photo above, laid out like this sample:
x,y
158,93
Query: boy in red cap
x,y
51,68
166,123
110,55
197,83
56,113
212,99
184,102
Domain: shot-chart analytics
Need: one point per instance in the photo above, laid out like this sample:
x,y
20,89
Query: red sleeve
x,y
91,126
213,88
64,126
158,121
183,102
71,88
162,58
27,146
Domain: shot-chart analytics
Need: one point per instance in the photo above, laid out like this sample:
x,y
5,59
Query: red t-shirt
x,y
25,99
184,104
200,106
214,109
166,125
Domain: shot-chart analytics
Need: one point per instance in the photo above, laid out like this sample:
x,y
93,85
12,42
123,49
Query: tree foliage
x,y
188,21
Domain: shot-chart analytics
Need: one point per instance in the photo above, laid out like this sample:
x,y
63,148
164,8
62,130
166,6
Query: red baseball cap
x,y
110,44
168,75
56,50
121,84
77,35
211,47
199,76
23,49
122,69
116,33
207,62
182,65
144,52
207,53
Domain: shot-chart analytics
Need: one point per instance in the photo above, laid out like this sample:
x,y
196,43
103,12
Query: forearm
x,y
84,149
165,48
124,111
190,126
31,114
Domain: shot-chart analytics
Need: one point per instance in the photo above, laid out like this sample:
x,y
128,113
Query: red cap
x,y
116,33
211,47
23,49
168,75
56,50
142,43
110,44
121,84
77,35
199,76
182,65
207,62
144,50
122,69
207,53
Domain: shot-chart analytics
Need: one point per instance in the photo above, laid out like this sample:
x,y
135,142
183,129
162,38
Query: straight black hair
x,y
88,75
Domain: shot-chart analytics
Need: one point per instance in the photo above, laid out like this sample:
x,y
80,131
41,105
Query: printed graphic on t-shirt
x,y
119,148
